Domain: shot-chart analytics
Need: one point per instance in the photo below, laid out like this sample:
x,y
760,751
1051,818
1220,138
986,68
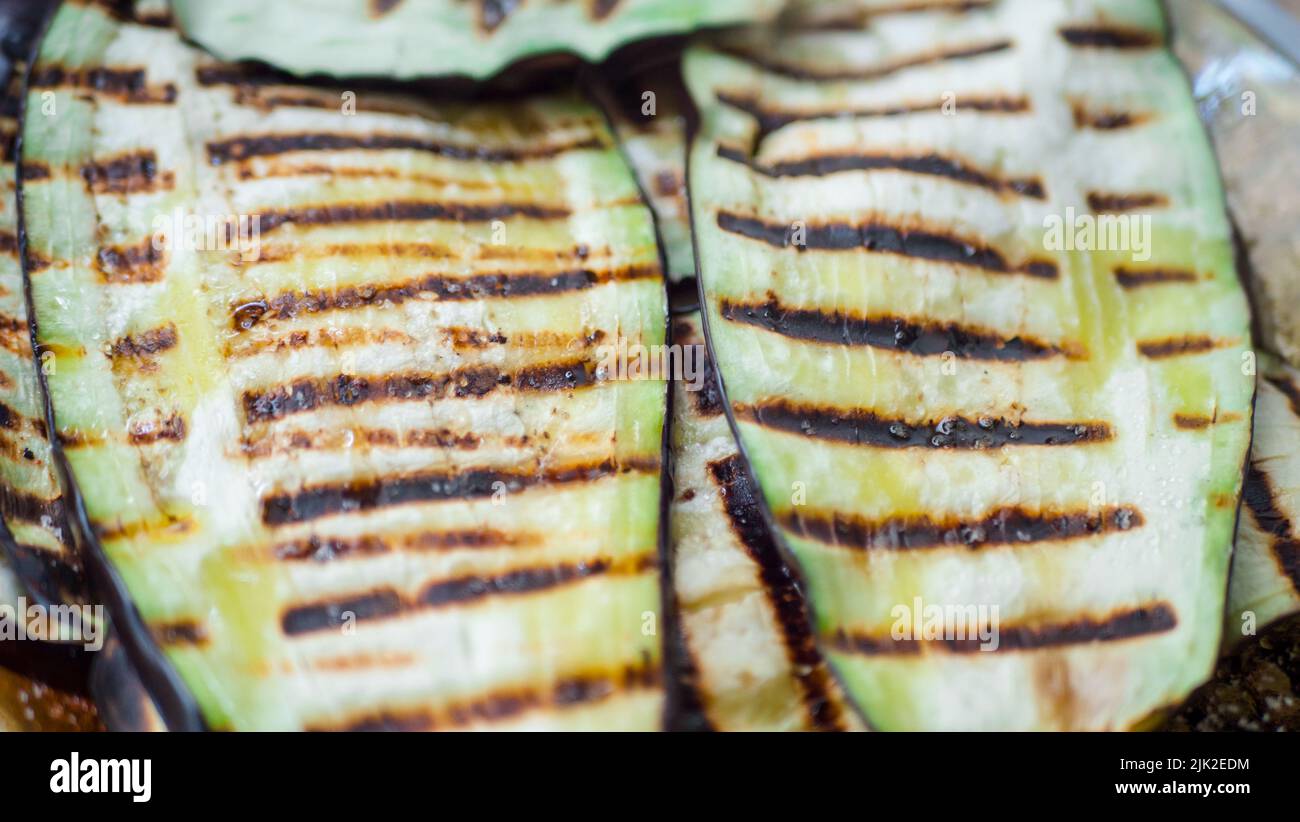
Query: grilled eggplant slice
x,y
750,659
429,38
960,423
361,467
36,543
1266,565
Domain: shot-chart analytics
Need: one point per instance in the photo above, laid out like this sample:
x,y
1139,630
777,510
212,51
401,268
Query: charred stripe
x,y
133,173
242,148
787,603
881,238
920,338
316,501
812,74
1130,623
1108,37
858,427
404,211
1104,203
932,165
1002,527
1261,499
1179,346
128,85
1131,278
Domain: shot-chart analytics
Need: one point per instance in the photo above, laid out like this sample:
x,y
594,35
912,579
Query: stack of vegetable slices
x,y
945,405
328,379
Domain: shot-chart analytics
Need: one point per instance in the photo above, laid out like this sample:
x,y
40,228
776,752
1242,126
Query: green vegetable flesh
x,y
361,467
963,422
751,659
411,38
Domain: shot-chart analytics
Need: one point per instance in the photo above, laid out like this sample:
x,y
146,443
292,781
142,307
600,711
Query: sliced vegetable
x,y
330,382
1006,456
410,38
649,111
750,655
36,552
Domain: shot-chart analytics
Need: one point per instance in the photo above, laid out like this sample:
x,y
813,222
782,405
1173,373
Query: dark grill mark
x,y
405,211
187,632
923,339
1289,390
242,148
149,433
142,263
1105,120
1178,346
1002,527
132,173
885,239
331,549
347,390
305,619
126,85
480,286
8,243
387,603
242,75
1192,422
867,428
1261,499
811,74
24,507
746,521
33,171
1102,203
509,703
931,165
1124,624
771,119
1130,278
313,502
1108,37
145,345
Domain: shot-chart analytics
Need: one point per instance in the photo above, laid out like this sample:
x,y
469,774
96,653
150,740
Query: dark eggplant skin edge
x,y
796,570
176,705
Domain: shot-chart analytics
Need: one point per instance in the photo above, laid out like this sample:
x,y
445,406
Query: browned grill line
x,y
1002,527
600,9
880,237
922,338
316,501
866,428
25,507
1104,203
127,85
1146,620
870,73
330,549
150,433
348,390
1130,278
268,145
746,520
772,119
1261,498
582,689
186,632
1108,37
132,173
1105,120
379,8
145,345
404,211
931,165
1178,346
290,304
126,265
387,603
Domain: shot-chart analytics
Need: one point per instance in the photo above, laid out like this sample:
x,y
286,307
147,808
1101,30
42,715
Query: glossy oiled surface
x,y
370,475
938,402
